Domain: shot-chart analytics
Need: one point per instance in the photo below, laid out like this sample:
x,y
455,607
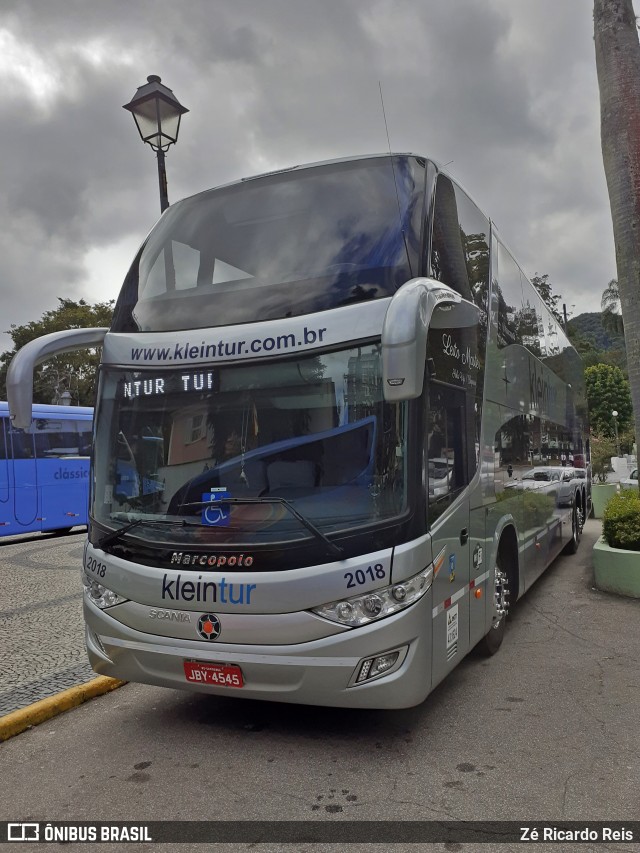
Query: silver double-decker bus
x,y
332,426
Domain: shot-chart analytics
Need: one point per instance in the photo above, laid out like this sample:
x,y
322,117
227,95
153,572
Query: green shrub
x,y
621,522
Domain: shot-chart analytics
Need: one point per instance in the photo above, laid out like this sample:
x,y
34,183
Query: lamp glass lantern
x,y
157,113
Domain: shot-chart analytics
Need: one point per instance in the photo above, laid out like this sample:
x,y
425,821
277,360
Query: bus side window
x,y
446,447
84,437
56,438
22,443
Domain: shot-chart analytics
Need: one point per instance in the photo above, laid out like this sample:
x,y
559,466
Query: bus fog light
x,y
372,667
99,594
383,663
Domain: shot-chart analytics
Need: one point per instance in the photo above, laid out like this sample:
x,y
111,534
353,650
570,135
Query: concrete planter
x,y
616,570
600,495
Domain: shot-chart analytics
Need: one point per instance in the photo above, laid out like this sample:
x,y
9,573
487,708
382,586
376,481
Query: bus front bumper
x,y
320,672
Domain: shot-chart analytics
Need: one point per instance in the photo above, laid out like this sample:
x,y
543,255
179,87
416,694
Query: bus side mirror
x,y
20,373
418,305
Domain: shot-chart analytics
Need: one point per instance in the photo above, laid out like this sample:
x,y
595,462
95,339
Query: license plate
x,y
219,674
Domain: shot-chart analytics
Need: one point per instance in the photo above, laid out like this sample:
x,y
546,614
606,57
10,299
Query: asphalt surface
x,y
546,730
41,628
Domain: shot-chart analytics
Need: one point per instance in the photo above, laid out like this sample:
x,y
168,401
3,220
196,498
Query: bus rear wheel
x,y
492,640
576,529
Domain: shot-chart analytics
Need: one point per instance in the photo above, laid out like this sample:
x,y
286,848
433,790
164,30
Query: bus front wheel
x,y
492,640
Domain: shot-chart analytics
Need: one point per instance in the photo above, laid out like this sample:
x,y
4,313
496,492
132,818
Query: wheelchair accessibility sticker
x,y
216,514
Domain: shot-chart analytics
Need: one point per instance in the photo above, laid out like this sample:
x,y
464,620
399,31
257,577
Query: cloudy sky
x,y
505,91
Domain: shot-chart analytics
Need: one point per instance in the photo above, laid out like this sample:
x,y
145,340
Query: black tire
x,y
576,529
61,531
492,640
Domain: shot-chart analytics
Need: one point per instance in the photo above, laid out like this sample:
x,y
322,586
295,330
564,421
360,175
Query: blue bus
x,y
44,470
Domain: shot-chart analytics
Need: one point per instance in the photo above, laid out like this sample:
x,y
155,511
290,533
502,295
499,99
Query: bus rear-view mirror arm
x,y
419,305
20,373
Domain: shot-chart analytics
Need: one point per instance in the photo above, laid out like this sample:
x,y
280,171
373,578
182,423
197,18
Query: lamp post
x,y
157,113
615,426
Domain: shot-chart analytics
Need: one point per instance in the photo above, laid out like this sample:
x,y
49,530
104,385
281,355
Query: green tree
x,y
610,304
602,449
608,391
618,68
73,371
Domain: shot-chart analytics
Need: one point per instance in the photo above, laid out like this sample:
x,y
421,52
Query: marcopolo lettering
x,y
176,589
178,558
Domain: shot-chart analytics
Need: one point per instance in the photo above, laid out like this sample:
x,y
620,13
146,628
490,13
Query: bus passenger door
x,y
448,516
62,472
25,480
6,504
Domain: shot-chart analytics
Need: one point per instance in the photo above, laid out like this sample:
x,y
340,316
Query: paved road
x,y
41,630
546,729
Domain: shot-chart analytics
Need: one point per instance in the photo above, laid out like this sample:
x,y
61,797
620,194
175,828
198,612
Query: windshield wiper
x,y
334,550
117,534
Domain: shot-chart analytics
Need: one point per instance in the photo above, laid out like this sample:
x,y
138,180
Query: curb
x,y
17,721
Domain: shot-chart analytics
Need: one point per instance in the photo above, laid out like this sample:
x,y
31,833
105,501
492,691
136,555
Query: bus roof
x,y
50,409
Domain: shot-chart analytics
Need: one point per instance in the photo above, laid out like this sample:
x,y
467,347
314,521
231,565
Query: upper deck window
x,y
460,243
281,245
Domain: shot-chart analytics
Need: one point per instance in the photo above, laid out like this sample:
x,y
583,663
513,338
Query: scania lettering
x,y
173,615
331,413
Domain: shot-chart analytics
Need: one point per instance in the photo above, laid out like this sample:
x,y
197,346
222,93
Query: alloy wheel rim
x,y
500,594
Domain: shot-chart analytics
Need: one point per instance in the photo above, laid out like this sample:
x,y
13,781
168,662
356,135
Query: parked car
x,y
561,481
440,476
630,482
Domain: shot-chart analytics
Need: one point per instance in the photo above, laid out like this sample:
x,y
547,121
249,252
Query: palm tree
x,y
610,304
618,68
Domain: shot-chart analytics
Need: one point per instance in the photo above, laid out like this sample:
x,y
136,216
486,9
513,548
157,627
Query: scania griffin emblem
x,y
209,626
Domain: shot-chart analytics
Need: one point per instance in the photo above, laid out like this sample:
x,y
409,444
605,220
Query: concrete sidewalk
x,y
41,627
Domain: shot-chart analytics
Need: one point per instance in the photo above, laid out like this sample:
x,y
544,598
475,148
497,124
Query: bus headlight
x,y
370,606
99,594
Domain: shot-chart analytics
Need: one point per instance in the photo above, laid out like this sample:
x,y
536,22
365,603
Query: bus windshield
x,y
313,433
289,243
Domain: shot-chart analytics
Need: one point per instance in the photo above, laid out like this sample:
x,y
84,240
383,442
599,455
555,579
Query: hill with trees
x,y
589,326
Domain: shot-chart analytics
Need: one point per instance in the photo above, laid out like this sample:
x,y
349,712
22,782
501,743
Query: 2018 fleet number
x,y
95,566
360,576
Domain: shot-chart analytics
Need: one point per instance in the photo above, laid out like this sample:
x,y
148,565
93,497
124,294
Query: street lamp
x,y
157,113
615,426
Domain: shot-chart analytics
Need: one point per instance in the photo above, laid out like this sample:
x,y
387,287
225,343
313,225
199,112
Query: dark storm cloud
x,y
504,88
